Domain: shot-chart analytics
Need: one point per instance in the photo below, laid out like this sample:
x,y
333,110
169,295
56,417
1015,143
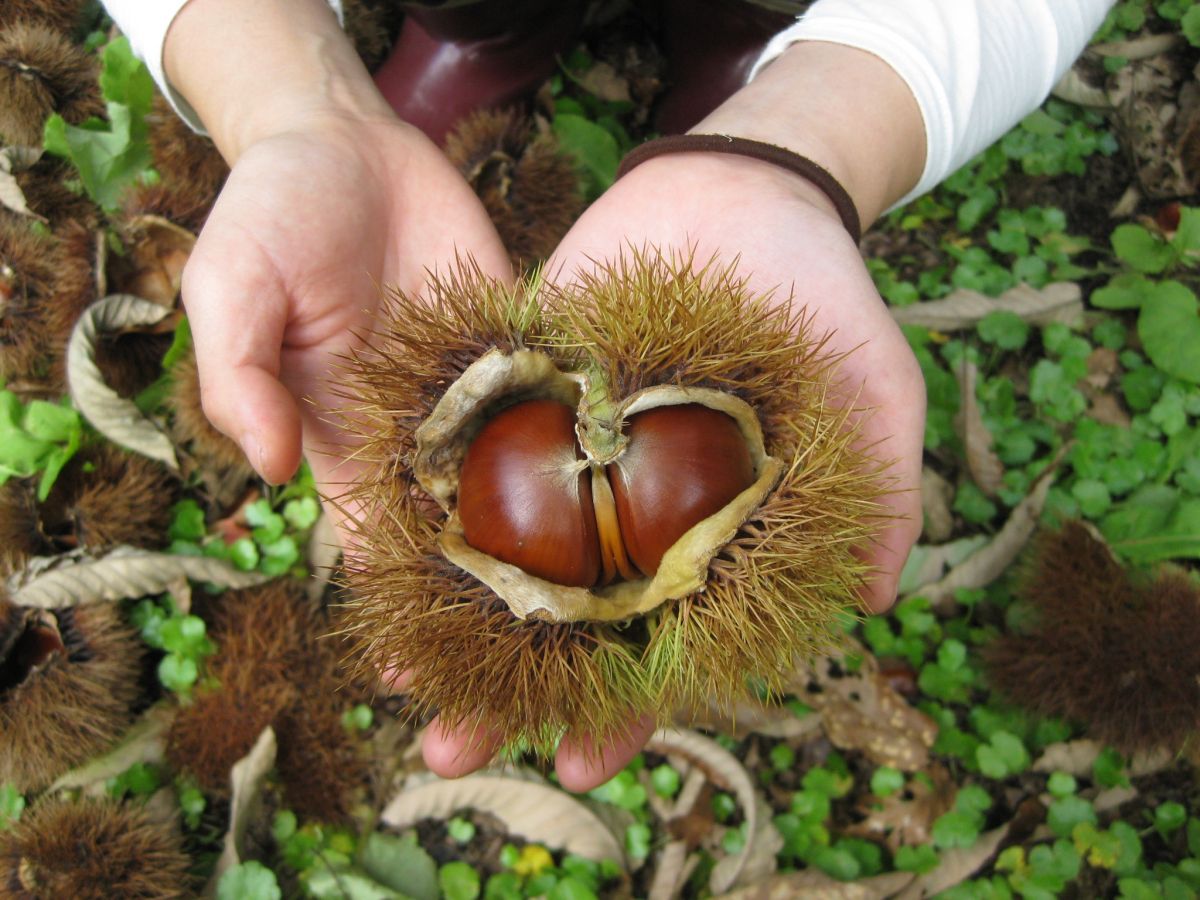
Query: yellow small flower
x,y
534,858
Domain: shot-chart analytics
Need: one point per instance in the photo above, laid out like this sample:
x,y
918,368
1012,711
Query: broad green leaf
x,y
1170,331
402,864
12,804
1125,291
250,880
1143,251
126,80
594,147
1190,25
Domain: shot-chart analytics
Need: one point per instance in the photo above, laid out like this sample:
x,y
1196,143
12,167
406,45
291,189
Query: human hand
x,y
287,275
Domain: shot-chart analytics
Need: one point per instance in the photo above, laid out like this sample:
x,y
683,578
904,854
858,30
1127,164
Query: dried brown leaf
x,y
115,417
1060,301
936,496
813,884
905,818
746,716
526,808
606,83
986,564
1077,758
11,195
142,744
956,865
982,462
673,865
757,859
246,780
125,573
862,711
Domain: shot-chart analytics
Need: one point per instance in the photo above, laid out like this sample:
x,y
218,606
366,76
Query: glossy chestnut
x,y
527,497
683,463
524,495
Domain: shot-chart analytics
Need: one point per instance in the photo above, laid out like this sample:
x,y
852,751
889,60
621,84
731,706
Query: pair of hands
x,y
285,279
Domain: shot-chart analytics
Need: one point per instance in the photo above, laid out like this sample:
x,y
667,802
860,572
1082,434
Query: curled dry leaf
x,y
956,865
1073,87
936,496
246,780
747,716
982,462
862,711
526,808
142,744
1077,758
757,859
11,195
927,563
112,415
672,868
905,818
125,573
322,555
988,562
1060,301
813,884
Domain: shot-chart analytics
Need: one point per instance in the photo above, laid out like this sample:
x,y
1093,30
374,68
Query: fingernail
x,y
254,454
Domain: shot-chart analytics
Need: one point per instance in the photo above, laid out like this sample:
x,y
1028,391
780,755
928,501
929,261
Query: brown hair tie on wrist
x,y
779,156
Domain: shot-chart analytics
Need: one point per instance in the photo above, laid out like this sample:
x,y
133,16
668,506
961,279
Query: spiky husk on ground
x,y
106,497
62,15
75,704
20,530
191,168
93,848
531,189
41,72
773,592
46,281
1115,650
274,666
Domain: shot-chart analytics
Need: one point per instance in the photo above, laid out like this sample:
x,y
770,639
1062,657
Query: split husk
x,y
763,580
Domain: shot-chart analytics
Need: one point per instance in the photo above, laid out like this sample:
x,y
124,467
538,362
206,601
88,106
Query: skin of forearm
x,y
843,108
253,69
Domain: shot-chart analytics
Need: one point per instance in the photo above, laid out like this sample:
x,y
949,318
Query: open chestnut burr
x,y
635,492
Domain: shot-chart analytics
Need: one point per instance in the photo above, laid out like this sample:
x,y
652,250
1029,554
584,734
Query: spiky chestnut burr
x,y
68,685
93,848
275,665
1115,650
41,72
740,594
531,189
46,281
62,15
191,168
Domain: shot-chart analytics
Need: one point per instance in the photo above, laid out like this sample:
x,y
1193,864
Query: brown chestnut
x,y
524,495
527,498
683,463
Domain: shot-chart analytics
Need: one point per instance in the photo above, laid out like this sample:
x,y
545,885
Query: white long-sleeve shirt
x,y
975,67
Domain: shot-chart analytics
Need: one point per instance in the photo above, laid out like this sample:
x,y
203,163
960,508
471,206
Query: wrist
x,y
843,108
252,70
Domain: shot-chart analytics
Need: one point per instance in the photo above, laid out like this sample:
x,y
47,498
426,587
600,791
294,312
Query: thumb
x,y
237,309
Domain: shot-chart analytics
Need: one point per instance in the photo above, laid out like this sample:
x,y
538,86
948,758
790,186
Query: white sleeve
x,y
975,67
145,23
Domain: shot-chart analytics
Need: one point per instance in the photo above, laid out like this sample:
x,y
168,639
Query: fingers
x,y
237,312
452,753
581,765
898,425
